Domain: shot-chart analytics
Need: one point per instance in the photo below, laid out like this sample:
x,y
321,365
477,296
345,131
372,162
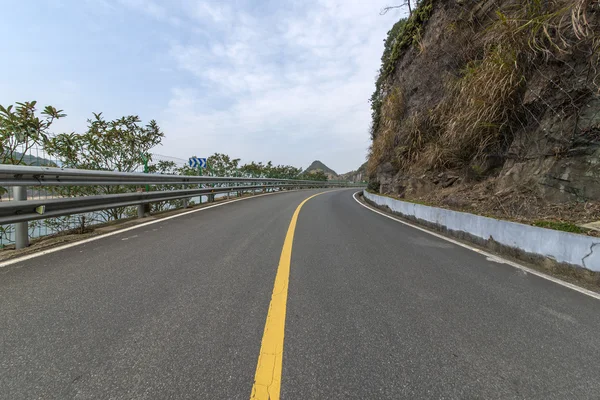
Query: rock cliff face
x,y
359,175
500,97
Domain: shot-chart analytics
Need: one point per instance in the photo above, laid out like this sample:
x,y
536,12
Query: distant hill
x,y
355,176
319,166
34,160
359,175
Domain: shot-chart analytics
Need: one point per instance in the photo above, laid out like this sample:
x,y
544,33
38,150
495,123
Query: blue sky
x,y
286,81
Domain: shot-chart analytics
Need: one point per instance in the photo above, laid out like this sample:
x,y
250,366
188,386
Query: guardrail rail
x,y
20,211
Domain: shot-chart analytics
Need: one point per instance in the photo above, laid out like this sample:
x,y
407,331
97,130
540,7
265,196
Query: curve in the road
x,y
375,310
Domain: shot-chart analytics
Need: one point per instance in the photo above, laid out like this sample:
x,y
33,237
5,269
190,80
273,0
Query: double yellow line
x,y
267,381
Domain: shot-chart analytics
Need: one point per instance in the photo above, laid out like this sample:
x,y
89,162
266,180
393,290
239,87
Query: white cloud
x,y
291,86
282,81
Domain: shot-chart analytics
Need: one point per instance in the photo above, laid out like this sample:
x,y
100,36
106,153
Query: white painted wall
x,y
580,250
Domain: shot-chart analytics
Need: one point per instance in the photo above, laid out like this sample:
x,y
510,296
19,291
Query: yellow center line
x,y
267,380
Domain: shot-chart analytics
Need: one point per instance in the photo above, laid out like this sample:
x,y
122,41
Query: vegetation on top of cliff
x,y
403,34
410,33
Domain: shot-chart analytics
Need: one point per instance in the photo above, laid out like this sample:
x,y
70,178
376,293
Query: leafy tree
x,y
252,170
315,176
260,170
119,145
222,165
21,129
286,172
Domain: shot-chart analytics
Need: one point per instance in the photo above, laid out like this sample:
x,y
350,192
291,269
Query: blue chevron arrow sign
x,y
195,162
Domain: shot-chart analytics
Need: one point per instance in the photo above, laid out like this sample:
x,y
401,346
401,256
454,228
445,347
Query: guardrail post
x,y
186,200
21,228
141,210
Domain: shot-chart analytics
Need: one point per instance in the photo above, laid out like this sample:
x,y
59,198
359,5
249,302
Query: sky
x,y
286,81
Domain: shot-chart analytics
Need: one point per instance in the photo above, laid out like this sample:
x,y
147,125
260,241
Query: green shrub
x,y
373,186
560,226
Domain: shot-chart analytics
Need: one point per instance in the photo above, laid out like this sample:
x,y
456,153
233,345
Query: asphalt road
x,y
375,310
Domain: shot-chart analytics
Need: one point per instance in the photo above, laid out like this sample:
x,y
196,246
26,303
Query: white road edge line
x,y
119,231
485,253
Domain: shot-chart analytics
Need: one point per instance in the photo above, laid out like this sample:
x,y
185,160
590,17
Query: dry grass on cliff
x,y
483,106
481,112
418,132
382,148
475,117
548,28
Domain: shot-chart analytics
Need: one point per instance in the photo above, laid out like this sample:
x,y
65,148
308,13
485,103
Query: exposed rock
x,y
553,150
359,175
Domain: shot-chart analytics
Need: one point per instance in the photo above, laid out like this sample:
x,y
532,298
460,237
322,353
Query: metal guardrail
x,y
21,210
18,175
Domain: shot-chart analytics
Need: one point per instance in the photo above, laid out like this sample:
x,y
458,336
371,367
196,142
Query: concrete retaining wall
x,y
563,247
